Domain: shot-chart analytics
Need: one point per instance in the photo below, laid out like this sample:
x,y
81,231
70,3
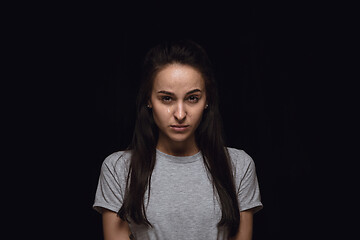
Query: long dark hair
x,y
209,137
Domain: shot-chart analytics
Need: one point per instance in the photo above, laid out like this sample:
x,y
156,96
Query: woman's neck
x,y
186,148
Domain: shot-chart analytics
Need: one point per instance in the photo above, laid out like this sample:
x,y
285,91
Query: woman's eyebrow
x,y
166,92
193,91
172,94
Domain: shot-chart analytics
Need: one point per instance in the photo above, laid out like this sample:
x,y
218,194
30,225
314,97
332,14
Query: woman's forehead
x,y
178,78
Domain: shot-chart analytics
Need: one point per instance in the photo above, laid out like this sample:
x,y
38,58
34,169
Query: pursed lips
x,y
179,127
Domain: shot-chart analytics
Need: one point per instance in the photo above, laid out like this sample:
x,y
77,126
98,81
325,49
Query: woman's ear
x,y
149,105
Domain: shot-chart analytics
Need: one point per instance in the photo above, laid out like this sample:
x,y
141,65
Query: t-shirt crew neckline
x,y
178,159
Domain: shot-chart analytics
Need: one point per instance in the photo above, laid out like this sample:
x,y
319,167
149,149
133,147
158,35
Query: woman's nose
x,y
180,112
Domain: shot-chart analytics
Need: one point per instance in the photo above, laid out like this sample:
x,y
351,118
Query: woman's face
x,y
178,100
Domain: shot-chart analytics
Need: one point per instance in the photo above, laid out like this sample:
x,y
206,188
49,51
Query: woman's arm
x,y
246,226
114,227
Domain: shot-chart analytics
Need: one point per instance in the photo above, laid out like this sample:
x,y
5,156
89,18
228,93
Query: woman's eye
x,y
193,99
166,99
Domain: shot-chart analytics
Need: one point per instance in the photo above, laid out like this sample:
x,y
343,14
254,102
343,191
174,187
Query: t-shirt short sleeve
x,y
246,180
111,184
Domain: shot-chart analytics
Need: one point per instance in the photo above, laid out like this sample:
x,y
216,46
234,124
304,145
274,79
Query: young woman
x,y
177,180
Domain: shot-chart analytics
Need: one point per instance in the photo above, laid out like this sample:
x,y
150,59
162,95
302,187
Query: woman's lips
x,y
179,128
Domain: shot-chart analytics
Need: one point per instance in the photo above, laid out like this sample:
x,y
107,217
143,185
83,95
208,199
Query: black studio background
x,y
276,99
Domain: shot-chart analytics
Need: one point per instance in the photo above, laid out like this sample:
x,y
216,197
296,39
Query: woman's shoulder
x,y
117,160
238,154
239,158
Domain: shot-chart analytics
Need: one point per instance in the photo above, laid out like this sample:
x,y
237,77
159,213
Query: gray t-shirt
x,y
182,202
